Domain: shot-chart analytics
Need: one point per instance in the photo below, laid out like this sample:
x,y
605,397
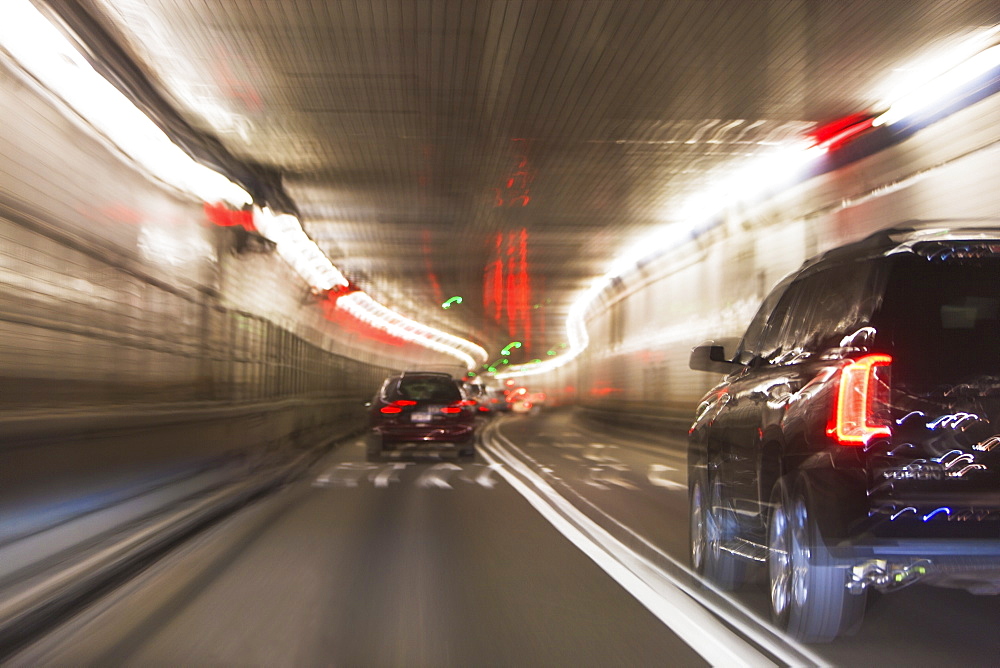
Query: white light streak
x,y
361,306
299,250
45,53
943,78
306,258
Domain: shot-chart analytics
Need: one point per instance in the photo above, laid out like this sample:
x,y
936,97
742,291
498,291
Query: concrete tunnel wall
x,y
137,347
641,332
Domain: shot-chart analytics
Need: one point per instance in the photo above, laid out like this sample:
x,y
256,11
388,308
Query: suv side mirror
x,y
711,356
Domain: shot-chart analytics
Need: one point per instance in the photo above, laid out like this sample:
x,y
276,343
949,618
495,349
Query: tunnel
x,y
229,229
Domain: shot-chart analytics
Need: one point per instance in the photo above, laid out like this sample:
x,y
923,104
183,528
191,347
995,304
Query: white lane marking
x,y
436,476
572,445
676,604
346,474
388,474
602,476
598,453
655,476
483,478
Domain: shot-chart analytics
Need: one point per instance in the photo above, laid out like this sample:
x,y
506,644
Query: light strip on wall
x,y
315,268
45,53
938,74
299,250
763,174
938,91
364,308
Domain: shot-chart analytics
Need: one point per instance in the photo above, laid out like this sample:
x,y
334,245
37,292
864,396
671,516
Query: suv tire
x,y
808,592
711,526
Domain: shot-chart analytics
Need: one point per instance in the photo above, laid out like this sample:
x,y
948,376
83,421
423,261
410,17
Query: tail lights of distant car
x,y
458,406
863,390
397,406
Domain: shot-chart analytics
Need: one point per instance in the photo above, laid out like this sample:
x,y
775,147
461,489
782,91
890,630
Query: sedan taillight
x,y
862,397
457,406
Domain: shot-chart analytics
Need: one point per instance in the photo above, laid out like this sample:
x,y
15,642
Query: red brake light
x,y
451,409
465,402
397,406
864,385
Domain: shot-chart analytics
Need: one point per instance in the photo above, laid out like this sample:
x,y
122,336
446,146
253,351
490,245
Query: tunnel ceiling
x,y
504,152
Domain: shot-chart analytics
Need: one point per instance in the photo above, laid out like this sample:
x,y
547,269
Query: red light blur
x,y
853,422
223,216
451,409
835,134
389,410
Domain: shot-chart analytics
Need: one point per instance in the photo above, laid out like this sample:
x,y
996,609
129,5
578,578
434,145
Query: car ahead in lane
x,y
420,413
854,443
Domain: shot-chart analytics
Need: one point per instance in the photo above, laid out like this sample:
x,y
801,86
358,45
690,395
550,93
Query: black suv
x,y
421,412
855,442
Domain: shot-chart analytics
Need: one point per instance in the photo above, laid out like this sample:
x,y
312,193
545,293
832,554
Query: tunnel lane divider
x,y
719,629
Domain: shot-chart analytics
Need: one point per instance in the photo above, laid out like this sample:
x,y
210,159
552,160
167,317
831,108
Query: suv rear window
x,y
940,318
436,389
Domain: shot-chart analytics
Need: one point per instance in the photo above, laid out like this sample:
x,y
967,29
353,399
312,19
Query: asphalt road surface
x,y
527,556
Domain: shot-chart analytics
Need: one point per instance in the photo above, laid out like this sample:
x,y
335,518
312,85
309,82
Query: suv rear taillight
x,y
397,406
859,411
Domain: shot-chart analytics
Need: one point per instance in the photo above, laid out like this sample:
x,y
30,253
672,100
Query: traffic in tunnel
x,y
499,332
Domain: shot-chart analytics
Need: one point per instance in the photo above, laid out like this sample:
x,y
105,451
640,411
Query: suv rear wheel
x,y
710,527
809,596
